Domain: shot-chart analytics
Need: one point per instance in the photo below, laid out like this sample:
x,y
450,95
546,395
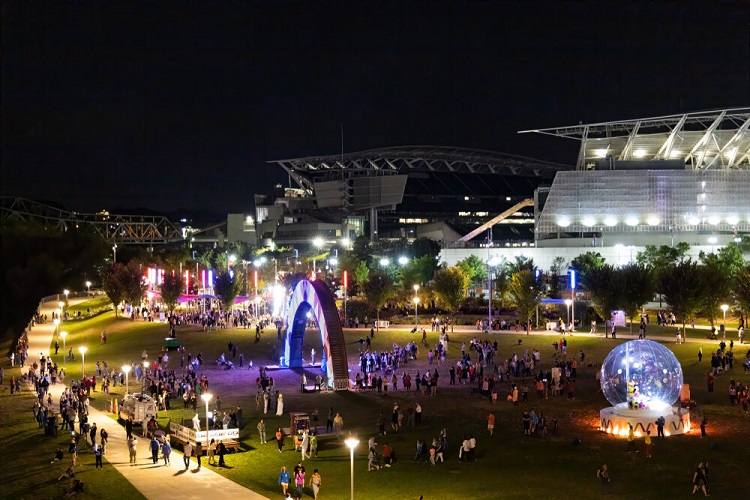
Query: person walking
x,y
649,445
132,448
284,480
315,483
129,427
338,424
187,452
262,431
299,479
603,475
154,449
211,451
491,423
166,450
198,453
222,451
280,439
700,480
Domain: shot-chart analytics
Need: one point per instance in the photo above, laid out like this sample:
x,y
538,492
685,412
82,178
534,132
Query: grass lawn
x,y
27,471
510,464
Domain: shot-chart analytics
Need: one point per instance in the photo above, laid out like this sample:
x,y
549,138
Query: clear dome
x,y
642,375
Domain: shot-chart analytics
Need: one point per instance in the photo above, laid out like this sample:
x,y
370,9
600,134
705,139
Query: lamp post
x,y
126,369
490,264
573,298
724,309
143,378
352,443
206,397
568,303
66,292
56,321
83,350
88,288
63,335
416,305
346,285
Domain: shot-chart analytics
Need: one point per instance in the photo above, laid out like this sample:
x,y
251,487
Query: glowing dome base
x,y
616,419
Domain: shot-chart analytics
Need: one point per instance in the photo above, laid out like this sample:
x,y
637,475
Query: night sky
x,y
178,106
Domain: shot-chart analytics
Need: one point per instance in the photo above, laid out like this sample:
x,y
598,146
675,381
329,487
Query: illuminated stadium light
x,y
563,221
733,220
600,153
610,221
639,153
712,240
632,220
729,155
675,154
714,219
692,219
653,220
588,220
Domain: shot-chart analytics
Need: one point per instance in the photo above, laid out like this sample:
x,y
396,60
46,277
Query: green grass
x,y
510,464
28,473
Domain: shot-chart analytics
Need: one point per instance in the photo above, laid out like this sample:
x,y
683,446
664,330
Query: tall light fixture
x,y
568,303
573,298
416,305
126,369
352,443
206,397
63,335
88,287
83,350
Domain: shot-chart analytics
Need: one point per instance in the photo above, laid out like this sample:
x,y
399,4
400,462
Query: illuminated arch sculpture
x,y
315,297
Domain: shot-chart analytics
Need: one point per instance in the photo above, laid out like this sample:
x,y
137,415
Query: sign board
x,y
187,434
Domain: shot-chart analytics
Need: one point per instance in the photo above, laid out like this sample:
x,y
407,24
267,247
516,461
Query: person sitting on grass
x,y
76,488
70,472
58,456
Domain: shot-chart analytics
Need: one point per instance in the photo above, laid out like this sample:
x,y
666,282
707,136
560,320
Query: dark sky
x,y
179,105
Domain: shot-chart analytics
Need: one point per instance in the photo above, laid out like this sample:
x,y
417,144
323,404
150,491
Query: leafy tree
x,y
742,289
525,292
361,249
171,289
475,268
602,283
227,288
716,279
585,263
519,264
557,270
361,273
378,290
664,256
418,271
111,277
450,286
133,284
637,287
423,247
682,286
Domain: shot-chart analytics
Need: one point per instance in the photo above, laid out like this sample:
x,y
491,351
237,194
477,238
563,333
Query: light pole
x,y
143,385
114,252
83,350
56,321
66,292
724,309
88,288
416,305
206,397
568,303
317,243
352,443
346,285
573,298
490,264
126,369
63,335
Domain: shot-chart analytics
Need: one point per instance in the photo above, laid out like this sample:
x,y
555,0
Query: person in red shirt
x,y
491,423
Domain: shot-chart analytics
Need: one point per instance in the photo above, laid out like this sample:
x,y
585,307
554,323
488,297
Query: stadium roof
x,y
717,139
429,158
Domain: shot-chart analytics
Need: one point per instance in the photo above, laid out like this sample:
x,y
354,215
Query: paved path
x,y
153,481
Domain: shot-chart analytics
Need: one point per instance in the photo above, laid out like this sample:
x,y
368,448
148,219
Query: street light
x,y
63,335
317,243
56,321
416,305
568,302
352,443
206,397
88,287
66,292
126,369
384,262
83,350
490,263
403,260
724,309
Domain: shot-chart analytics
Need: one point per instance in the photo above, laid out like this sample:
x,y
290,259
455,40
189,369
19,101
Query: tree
x,y
519,264
422,247
171,289
475,268
361,274
716,280
586,262
378,290
662,257
418,271
133,284
637,287
227,288
450,286
525,292
682,287
557,270
742,289
111,277
602,283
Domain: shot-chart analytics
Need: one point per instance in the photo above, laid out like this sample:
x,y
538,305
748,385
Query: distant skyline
x,y
170,106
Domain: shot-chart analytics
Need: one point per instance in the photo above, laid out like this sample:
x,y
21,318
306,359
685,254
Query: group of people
x,y
298,476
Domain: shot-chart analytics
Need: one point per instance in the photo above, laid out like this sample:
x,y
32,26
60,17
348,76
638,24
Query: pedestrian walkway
x,y
152,480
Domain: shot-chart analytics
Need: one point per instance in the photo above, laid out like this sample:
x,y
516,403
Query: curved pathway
x,y
152,480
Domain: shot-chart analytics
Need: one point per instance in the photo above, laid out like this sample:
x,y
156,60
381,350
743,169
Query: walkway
x,y
153,481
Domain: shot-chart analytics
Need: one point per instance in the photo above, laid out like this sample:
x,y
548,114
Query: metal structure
x,y
126,229
402,159
495,220
716,139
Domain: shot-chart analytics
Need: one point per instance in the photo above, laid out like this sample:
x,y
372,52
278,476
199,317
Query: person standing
x,y
338,424
132,448
299,479
284,480
313,445
187,452
98,454
329,422
315,482
222,451
279,405
262,431
305,445
649,445
129,427
603,475
166,450
704,423
631,439
211,451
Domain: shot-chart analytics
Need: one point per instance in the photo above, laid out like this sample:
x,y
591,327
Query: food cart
x,y
299,424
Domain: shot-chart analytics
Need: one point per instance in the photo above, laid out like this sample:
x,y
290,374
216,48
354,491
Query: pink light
x,y
346,279
203,280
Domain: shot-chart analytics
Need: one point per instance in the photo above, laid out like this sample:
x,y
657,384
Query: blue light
x,y
573,279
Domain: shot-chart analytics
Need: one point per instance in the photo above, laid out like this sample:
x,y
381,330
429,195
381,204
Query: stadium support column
x,y
373,224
